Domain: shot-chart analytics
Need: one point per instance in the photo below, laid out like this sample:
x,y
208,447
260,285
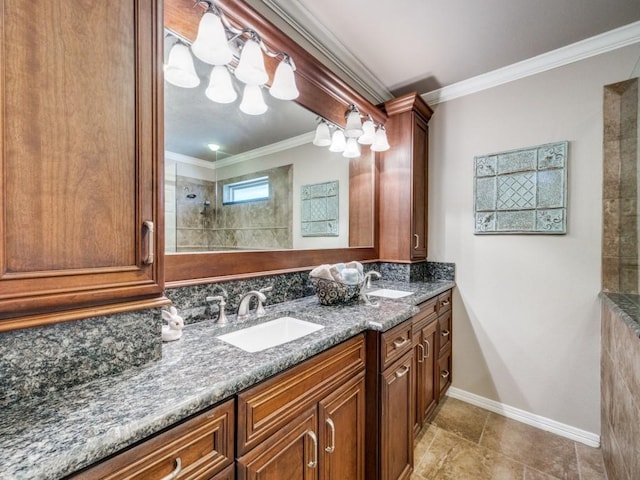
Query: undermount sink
x,y
270,334
389,293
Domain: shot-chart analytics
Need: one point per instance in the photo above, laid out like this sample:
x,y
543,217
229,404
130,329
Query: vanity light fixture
x,y
216,41
355,134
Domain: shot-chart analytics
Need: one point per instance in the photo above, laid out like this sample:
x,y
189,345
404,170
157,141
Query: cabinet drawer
x,y
444,302
198,448
267,407
444,331
228,473
427,311
444,376
395,343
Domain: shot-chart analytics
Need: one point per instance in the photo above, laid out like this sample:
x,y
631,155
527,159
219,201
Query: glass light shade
x,y
338,142
220,89
252,101
211,45
284,82
250,69
352,149
354,125
323,135
179,70
380,144
369,134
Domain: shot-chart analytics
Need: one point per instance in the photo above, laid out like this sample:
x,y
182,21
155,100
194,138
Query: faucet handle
x,y
222,291
222,316
260,312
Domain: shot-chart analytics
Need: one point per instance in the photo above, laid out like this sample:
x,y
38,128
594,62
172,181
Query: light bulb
x,y
179,70
284,82
323,135
352,149
211,45
220,87
353,128
250,69
369,134
252,101
380,144
338,142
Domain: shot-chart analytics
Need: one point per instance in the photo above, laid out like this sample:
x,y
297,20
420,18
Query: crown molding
x,y
605,42
243,157
302,21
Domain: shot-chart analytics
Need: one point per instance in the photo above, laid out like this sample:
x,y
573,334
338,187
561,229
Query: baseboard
x,y
543,423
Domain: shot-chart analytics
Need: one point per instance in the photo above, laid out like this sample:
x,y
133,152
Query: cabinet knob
x,y
313,463
332,426
175,472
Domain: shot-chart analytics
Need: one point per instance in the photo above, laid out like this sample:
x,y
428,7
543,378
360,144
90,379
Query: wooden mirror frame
x,y
322,92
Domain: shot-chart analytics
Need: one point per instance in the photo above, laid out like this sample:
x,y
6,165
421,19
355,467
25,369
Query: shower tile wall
x,y
259,225
620,189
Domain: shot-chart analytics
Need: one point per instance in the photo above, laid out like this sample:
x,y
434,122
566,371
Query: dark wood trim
x,y
322,92
407,103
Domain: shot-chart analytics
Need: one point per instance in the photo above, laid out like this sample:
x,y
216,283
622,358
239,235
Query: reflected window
x,y
253,190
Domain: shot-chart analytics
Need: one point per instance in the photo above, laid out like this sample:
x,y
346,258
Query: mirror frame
x,y
321,92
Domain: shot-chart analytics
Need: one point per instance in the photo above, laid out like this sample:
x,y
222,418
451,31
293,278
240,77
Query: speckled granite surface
x,y
626,306
37,361
48,438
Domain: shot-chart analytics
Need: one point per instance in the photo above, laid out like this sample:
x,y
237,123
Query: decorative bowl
x,y
330,292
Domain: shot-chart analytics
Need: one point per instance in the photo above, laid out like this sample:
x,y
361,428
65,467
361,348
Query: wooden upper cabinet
x,y
403,181
80,216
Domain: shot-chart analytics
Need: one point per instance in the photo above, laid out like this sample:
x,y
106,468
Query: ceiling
x,y
419,45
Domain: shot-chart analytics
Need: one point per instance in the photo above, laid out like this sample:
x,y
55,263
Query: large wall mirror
x,y
267,190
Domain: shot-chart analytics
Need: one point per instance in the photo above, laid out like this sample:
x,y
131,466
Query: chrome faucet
x,y
367,277
243,308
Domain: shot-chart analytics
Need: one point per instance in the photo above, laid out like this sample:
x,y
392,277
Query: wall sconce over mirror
x,y
231,50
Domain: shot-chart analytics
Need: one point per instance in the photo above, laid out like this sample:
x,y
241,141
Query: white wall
x,y
527,322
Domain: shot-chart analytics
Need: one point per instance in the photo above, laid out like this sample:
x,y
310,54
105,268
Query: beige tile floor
x,y
465,442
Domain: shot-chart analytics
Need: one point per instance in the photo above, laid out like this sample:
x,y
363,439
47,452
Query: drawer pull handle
x,y
401,342
444,374
176,471
332,426
148,224
423,356
415,235
313,463
445,333
403,372
444,303
426,344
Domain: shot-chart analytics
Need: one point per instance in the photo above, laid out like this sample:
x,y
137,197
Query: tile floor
x,y
465,442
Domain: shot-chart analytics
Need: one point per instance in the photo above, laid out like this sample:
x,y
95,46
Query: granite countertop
x,y
53,437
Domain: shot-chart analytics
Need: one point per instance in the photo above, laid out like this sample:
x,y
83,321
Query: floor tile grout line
x,y
486,420
575,449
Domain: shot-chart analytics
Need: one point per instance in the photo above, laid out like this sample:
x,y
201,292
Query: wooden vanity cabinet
x,y
403,181
445,337
425,341
198,449
308,422
81,206
390,403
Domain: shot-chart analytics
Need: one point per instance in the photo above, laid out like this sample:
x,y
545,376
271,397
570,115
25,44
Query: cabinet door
x,y
419,189
396,430
292,454
427,394
341,428
81,109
